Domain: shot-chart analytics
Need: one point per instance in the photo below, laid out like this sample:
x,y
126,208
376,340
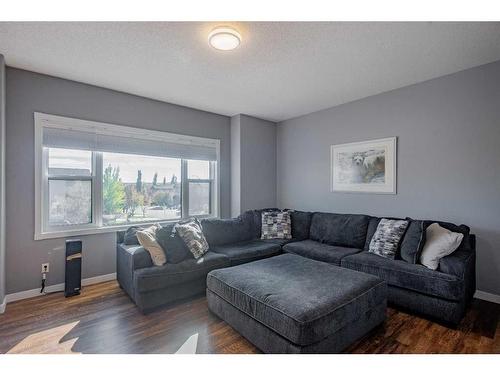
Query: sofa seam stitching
x,y
410,273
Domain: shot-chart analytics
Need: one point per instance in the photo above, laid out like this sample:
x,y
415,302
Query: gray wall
x,y
2,181
253,163
448,133
28,92
235,166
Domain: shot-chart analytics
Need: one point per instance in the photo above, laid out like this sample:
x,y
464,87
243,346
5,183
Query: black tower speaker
x,y
73,278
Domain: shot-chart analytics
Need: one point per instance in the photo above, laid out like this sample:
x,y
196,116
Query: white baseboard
x,y
2,306
485,296
56,288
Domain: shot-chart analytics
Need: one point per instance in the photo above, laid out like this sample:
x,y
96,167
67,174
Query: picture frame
x,y
364,167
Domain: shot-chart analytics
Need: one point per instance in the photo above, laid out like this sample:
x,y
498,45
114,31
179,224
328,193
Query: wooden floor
x,y
104,320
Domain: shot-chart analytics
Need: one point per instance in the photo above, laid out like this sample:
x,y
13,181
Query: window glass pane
x,y
70,202
198,169
70,162
199,198
139,188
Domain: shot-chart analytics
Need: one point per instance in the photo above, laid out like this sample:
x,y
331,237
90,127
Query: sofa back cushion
x,y
339,229
371,229
225,231
301,224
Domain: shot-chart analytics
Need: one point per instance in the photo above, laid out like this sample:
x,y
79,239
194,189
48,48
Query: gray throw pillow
x,y
413,241
130,236
276,225
385,241
192,234
174,247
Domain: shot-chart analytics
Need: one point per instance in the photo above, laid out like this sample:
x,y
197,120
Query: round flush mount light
x,y
224,38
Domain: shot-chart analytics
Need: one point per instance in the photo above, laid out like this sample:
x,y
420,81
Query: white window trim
x,y
43,120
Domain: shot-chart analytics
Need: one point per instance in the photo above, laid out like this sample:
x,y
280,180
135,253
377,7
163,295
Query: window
x,y
69,187
199,187
94,177
140,188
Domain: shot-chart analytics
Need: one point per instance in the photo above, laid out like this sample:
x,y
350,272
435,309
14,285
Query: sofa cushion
x,y
153,278
248,251
301,299
225,231
339,229
301,223
405,275
413,242
319,251
175,249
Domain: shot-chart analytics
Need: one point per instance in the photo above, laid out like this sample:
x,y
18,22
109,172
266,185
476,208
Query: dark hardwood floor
x,y
103,320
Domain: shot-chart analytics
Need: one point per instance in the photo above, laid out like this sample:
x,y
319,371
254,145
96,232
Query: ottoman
x,y
291,304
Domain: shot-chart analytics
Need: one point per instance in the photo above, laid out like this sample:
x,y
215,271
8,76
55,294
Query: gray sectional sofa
x,y
339,239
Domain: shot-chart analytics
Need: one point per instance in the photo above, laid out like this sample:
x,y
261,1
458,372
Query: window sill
x,y
101,230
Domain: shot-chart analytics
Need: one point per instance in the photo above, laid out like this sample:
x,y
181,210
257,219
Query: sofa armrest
x,y
456,263
129,259
462,264
140,257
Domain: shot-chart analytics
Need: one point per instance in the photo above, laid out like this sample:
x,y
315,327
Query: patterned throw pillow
x,y
276,225
147,239
385,241
191,233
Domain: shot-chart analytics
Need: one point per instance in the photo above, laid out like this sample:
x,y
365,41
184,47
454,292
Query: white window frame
x,y
43,120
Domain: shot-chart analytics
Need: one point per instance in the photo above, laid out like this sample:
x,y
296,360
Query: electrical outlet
x,y
45,267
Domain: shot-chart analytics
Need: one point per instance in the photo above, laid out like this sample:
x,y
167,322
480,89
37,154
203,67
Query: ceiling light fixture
x,y
224,38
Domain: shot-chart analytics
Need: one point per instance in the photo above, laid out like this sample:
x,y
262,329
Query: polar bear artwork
x,y
364,166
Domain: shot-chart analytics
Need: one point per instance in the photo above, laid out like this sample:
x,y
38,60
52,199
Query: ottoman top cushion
x,y
301,299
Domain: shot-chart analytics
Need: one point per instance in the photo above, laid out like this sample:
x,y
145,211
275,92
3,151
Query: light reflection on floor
x,y
49,340
189,346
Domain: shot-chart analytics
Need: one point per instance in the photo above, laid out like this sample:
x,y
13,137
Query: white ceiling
x,y
281,70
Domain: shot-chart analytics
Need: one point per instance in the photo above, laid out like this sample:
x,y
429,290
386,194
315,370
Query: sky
x,y
129,165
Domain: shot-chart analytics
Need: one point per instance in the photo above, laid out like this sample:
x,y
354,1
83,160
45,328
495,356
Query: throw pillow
x,y
276,225
192,234
147,239
174,247
413,241
385,241
439,243
130,236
